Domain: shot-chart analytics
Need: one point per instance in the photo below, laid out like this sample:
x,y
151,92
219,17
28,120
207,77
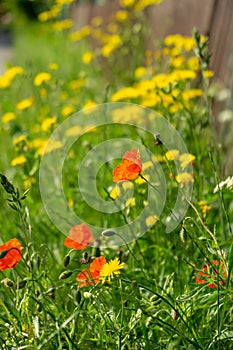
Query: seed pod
x,y
65,274
78,296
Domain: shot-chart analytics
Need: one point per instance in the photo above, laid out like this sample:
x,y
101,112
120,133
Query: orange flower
x,y
80,236
12,255
210,273
130,167
91,276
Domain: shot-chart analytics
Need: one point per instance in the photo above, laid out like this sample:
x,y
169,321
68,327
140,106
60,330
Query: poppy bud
x,y
21,284
85,259
7,282
66,260
78,296
3,253
65,274
134,284
108,233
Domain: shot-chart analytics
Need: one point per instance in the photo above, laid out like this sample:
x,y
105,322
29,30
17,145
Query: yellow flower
x,y
18,160
184,179
29,182
127,185
142,4
151,220
7,117
77,84
67,110
64,24
193,63
51,146
125,93
172,154
192,93
19,139
96,21
87,57
183,74
140,72
89,104
80,34
186,159
110,269
25,103
208,74
74,131
41,78
47,123
141,181
115,192
204,207
113,42
127,3
53,66
7,78
131,202
122,15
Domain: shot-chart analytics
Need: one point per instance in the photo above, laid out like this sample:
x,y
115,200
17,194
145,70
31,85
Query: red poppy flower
x,y
130,167
80,236
210,273
91,276
13,251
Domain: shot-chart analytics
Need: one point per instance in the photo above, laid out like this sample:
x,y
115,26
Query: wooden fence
x,y
213,18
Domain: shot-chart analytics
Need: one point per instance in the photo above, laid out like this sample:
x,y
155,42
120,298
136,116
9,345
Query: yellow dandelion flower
x,y
151,220
204,207
18,160
122,15
208,74
51,146
115,192
125,93
71,202
131,202
47,123
87,57
141,181
25,103
7,117
89,104
127,3
41,78
96,21
184,178
142,4
172,154
193,63
19,139
53,66
140,72
64,24
67,110
77,84
186,159
80,34
74,131
29,182
192,93
110,269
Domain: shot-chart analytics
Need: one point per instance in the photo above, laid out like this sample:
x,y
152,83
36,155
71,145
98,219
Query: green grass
x,y
155,302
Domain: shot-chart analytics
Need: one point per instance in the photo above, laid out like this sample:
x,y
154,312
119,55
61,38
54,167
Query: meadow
x,y
115,198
